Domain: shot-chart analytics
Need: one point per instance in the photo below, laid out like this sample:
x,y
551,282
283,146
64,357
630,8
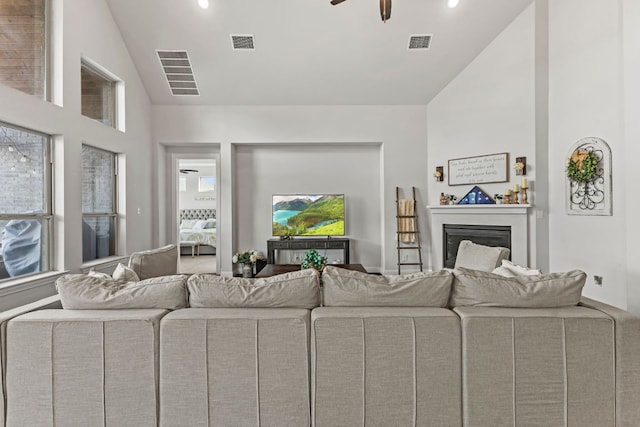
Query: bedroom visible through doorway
x,y
197,215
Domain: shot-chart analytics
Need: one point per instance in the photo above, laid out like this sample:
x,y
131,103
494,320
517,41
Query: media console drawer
x,y
304,244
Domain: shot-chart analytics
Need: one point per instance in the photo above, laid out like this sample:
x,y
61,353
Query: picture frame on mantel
x,y
479,169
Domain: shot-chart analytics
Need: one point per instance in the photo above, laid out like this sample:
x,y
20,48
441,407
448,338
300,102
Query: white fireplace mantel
x,y
515,216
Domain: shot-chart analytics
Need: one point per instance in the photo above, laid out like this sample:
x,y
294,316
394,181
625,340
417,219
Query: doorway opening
x,y
197,188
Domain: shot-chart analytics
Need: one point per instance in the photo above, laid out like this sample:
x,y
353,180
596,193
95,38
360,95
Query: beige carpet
x,y
197,264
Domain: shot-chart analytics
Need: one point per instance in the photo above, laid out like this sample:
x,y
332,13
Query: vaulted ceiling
x,y
308,52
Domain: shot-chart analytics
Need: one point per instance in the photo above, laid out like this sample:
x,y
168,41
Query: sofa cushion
x,y
298,289
480,257
344,288
155,262
479,288
509,269
125,274
82,292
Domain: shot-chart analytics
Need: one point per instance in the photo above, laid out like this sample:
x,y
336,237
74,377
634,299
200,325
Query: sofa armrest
x,y
48,302
627,348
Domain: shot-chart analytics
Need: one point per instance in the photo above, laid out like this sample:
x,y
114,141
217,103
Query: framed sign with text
x,y
479,169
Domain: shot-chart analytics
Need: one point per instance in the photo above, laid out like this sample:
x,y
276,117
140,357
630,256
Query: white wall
x,y
490,108
88,30
586,99
586,83
266,169
400,131
631,41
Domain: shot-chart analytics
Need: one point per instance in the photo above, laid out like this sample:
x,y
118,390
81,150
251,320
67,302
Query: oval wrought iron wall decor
x,y
594,196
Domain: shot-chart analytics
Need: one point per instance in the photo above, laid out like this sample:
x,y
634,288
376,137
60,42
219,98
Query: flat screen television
x,y
308,214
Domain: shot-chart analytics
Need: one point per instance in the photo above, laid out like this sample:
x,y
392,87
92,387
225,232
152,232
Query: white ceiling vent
x,y
419,41
242,42
177,69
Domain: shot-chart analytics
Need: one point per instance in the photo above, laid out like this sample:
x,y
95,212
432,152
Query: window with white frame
x,y
98,94
25,202
99,203
23,45
206,184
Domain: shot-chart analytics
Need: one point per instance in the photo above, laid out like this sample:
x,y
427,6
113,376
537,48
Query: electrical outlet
x,y
597,280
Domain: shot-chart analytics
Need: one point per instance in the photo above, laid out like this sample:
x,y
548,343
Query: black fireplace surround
x,y
488,235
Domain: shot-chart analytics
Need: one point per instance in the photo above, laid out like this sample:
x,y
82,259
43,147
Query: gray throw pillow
x,y
298,289
480,257
348,288
480,288
82,292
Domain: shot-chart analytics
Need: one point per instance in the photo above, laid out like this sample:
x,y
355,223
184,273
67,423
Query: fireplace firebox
x,y
488,235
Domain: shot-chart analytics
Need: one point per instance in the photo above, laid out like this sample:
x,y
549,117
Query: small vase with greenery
x,y
499,198
313,259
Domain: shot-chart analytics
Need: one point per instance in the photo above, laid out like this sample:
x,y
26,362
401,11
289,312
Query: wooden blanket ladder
x,y
408,232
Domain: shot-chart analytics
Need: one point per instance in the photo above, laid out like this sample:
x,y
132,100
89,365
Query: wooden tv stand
x,y
303,244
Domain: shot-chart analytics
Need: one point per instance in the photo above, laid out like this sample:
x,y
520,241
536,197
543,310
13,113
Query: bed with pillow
x,y
198,225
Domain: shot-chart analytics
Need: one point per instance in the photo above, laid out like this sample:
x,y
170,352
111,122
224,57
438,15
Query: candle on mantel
x,y
517,189
508,192
524,183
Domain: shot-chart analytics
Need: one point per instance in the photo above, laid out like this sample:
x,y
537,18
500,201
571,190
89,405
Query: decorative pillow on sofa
x,y
348,288
123,273
82,292
480,257
298,289
509,269
155,262
480,288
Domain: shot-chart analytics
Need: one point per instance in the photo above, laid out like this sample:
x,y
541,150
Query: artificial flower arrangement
x,y
247,257
313,259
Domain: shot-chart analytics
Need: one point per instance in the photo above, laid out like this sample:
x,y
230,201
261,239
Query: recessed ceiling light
x,y
453,3
203,4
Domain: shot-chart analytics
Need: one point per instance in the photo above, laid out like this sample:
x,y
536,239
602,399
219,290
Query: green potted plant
x,y
313,259
499,198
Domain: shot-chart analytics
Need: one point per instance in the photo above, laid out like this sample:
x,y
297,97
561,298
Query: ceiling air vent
x,y
420,41
242,42
177,69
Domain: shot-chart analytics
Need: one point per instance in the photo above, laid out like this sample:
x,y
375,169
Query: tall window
x,y
25,202
98,94
23,45
99,210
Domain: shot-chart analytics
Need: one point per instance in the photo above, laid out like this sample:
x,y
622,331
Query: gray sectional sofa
x,y
382,351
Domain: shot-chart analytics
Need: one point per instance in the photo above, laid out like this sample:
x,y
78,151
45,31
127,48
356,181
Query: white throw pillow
x,y
199,224
348,288
83,292
480,288
509,269
123,273
187,223
480,257
98,274
298,289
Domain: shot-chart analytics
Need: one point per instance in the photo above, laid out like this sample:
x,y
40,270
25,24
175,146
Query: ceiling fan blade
x,y
385,10
335,2
186,171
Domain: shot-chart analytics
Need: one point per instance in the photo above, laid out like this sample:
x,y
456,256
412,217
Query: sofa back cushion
x,y
155,262
298,289
480,257
480,288
348,288
82,292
